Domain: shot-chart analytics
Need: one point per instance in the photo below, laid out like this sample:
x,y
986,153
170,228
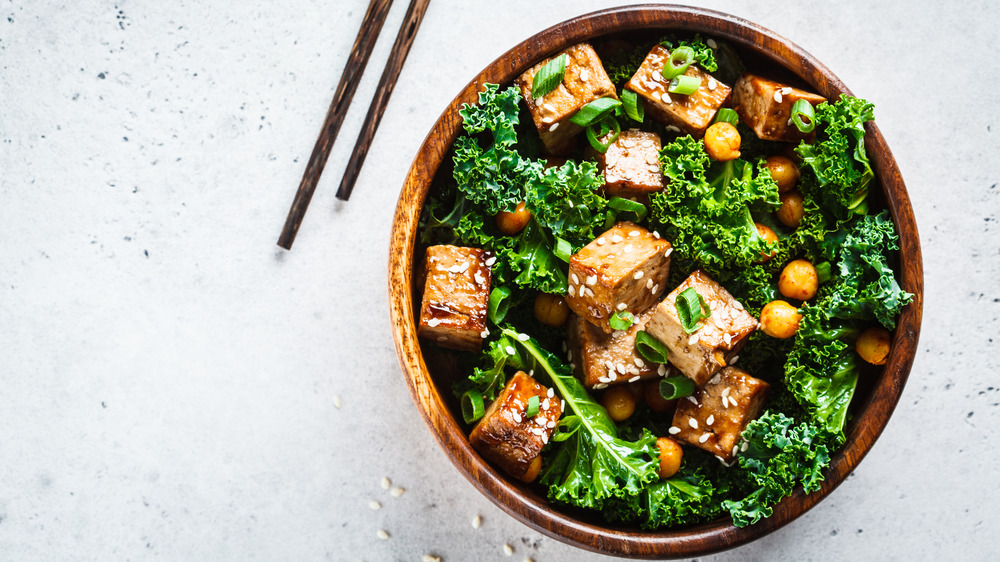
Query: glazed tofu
x,y
456,292
715,341
716,414
624,269
506,436
584,81
690,114
600,359
766,106
630,166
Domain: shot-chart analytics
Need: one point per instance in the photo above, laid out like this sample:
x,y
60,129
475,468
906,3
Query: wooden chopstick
x,y
404,40
364,43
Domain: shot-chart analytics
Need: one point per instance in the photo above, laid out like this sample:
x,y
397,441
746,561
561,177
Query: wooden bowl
x,y
872,404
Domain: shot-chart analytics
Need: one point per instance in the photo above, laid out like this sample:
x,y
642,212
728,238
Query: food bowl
x,y
429,379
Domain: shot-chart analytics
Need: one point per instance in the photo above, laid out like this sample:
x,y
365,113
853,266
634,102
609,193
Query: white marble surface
x,y
168,374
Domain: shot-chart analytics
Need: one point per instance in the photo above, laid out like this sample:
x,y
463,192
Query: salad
x,y
660,277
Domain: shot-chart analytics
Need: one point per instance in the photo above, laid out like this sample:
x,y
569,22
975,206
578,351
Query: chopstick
x,y
364,43
404,40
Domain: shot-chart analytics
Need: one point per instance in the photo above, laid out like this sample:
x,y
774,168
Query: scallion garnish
x,y
672,388
650,348
727,115
678,63
803,116
633,105
532,409
684,85
563,249
823,272
621,320
691,309
549,76
597,131
472,406
498,304
594,111
628,206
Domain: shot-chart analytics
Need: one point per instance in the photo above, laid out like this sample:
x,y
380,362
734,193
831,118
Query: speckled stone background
x,y
169,375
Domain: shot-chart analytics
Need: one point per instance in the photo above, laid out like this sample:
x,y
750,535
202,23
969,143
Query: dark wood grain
x,y
407,33
364,43
872,409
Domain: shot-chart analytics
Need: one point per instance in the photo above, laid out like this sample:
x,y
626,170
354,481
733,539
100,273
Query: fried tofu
x,y
600,359
585,80
716,340
631,166
506,436
766,107
691,113
624,269
717,413
456,293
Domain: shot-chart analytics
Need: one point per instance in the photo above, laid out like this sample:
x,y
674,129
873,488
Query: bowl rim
x,y
535,511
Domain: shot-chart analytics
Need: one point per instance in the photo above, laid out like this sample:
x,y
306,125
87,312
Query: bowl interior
x,y
430,372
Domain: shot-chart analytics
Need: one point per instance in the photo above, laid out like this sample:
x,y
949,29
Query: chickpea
x,y
873,345
770,237
619,403
791,212
779,319
533,469
655,400
670,457
798,280
784,172
511,223
551,310
722,141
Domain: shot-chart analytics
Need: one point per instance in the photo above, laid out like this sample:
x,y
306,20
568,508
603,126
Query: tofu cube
x,y
766,107
716,340
601,360
716,414
630,165
506,435
456,293
691,113
624,269
584,81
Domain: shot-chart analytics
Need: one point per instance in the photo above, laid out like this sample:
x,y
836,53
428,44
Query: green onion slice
x,y
650,348
684,85
549,76
472,406
678,63
672,388
691,309
633,105
628,206
803,116
532,409
823,272
563,249
727,115
594,111
621,320
498,305
598,130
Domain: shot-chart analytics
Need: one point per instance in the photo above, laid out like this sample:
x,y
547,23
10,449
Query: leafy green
x,y
687,497
500,353
703,54
778,457
566,201
537,263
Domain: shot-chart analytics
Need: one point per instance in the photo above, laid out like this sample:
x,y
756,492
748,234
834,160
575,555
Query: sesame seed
x,y
477,521
603,379
710,420
550,393
634,233
621,368
545,438
669,251
610,365
693,339
666,98
523,337
490,261
336,401
734,360
374,505
548,107
715,379
601,241
673,128
656,235
711,43
674,430
515,416
584,75
786,90
510,350
712,84
529,560
661,370
574,278
396,492
612,377
693,423
553,127
649,283
508,550
616,239
562,405
430,558
744,446
654,288
386,483
622,306
738,305
433,322
382,534
777,96
551,424
639,362
635,378
569,356
591,280
725,392
586,292
600,386
736,449
484,334
727,338
725,402
638,275
572,291
692,399
704,437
